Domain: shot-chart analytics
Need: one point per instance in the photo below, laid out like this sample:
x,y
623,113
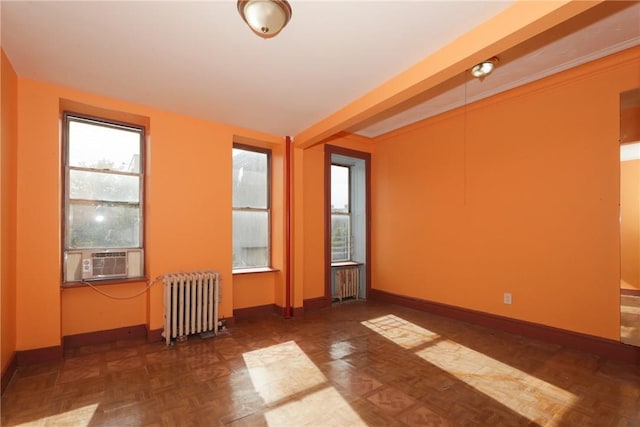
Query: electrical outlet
x,y
507,298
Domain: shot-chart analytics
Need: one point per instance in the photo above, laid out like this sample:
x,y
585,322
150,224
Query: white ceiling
x,y
200,59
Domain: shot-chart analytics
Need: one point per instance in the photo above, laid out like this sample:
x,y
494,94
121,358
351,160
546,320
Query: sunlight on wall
x,y
485,374
290,383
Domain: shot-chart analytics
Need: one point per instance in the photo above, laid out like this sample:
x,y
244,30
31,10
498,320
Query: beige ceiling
x,y
199,58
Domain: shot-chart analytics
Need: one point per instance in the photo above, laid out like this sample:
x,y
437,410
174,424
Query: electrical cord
x,y
108,295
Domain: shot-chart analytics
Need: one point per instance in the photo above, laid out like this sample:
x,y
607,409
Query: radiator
x,y
190,304
347,280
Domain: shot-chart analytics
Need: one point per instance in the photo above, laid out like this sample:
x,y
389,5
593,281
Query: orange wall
x,y
253,289
518,194
188,215
85,310
8,211
630,223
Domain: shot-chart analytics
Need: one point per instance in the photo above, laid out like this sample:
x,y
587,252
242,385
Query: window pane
x,y
250,239
250,179
339,188
102,225
102,147
340,238
104,186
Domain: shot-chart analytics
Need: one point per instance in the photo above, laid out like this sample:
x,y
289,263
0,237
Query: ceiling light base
x,y
484,68
266,18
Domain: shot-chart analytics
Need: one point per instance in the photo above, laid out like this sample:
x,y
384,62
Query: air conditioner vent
x,y
108,254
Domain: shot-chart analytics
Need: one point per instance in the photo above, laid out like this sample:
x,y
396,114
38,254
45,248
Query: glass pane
x,y
340,238
339,188
103,226
102,147
250,239
250,179
104,186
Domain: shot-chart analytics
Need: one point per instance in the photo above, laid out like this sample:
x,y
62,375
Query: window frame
x,y
347,214
67,118
267,152
365,179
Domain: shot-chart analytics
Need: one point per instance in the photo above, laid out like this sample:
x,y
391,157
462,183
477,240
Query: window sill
x,y
254,270
345,264
104,282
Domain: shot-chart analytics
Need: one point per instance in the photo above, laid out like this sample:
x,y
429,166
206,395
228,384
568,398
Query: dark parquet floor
x,y
357,363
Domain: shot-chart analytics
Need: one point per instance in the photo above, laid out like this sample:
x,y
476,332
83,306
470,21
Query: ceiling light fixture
x,y
484,68
266,18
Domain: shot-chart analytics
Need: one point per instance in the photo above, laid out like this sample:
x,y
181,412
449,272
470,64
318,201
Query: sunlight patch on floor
x,y
287,380
406,334
499,381
325,405
281,371
495,379
80,417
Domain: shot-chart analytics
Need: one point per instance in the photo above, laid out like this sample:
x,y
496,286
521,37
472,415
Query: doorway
x,y
630,217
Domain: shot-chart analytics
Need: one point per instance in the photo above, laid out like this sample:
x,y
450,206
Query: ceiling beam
x,y
521,21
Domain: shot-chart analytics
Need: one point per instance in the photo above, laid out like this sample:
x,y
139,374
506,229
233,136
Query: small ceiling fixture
x,y
266,18
484,68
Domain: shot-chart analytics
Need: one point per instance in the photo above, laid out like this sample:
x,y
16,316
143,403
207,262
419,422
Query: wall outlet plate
x,y
507,298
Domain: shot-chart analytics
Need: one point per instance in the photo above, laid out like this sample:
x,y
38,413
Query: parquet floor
x,y
357,363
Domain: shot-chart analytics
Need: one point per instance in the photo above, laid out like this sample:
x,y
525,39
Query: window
x,y
340,213
102,198
251,207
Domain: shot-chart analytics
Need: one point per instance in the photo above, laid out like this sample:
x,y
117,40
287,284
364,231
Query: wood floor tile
x,y
423,416
355,364
38,369
124,364
391,400
33,384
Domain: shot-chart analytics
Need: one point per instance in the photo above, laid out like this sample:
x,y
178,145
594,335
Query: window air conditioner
x,y
104,264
